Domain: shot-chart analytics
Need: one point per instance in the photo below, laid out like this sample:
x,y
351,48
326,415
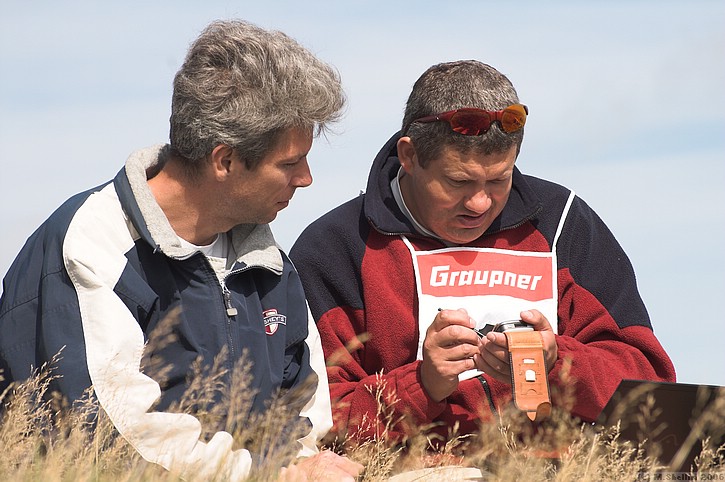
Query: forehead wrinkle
x,y
474,166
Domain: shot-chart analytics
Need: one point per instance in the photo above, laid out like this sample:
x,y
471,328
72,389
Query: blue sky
x,y
627,102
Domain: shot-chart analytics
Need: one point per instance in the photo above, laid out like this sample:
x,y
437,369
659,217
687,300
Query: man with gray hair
x,y
450,240
147,283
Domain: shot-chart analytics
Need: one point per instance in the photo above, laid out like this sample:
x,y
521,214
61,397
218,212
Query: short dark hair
x,y
454,85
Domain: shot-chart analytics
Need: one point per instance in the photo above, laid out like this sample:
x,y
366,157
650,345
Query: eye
x,y
500,181
290,164
457,182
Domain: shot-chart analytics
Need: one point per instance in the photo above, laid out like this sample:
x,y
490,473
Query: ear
x,y
406,154
221,160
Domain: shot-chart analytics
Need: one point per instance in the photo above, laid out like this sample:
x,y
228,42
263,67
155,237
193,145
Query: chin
x,y
261,219
462,236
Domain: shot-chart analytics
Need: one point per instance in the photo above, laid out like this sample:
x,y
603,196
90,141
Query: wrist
x,y
431,384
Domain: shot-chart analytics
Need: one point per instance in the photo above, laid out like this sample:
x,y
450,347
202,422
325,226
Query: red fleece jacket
x,y
359,280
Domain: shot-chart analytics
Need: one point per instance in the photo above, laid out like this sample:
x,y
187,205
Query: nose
x,y
479,202
303,176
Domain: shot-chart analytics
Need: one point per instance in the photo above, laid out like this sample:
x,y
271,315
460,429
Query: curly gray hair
x,y
243,86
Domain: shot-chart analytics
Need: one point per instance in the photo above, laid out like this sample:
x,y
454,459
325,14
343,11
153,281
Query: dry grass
x,y
44,439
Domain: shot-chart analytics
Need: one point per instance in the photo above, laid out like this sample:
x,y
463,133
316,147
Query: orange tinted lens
x,y
513,118
470,123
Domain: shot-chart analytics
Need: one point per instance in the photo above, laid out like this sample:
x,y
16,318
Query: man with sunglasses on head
x,y
164,289
451,236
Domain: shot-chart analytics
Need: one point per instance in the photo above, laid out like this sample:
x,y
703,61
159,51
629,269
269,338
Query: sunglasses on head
x,y
470,121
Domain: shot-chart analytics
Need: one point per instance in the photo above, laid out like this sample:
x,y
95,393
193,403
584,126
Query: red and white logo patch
x,y
521,275
272,320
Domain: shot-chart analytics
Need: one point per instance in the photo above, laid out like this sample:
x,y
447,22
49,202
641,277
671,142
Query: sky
x,y
626,100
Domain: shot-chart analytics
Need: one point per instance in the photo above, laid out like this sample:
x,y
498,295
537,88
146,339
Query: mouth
x,y
471,221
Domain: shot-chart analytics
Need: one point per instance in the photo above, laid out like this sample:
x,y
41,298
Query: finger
x,y
446,318
459,351
332,474
496,361
455,368
328,457
446,332
536,319
350,466
470,363
328,465
496,339
491,370
453,335
496,344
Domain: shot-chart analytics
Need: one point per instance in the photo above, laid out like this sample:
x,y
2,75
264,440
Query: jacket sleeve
x,y
604,328
317,409
114,344
379,404
304,386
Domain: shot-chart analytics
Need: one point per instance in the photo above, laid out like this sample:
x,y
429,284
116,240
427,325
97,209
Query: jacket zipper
x,y
228,307
227,295
231,310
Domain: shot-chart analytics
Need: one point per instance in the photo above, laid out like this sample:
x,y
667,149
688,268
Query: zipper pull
x,y
231,310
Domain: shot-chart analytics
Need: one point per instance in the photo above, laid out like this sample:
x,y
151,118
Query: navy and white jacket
x,y
106,269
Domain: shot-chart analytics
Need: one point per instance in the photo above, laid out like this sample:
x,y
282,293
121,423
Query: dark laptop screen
x,y
673,418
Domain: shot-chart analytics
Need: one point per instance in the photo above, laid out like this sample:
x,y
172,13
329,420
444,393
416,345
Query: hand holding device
x,y
527,366
448,350
502,326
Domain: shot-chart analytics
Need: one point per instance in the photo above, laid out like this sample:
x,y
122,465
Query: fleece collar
x,y
253,243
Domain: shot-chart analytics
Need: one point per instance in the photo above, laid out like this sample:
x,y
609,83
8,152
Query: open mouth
x,y
468,221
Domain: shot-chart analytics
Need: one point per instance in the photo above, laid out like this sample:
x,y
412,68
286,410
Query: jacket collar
x,y
253,243
383,214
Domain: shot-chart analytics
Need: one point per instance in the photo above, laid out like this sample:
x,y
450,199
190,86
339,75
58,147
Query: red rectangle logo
x,y
476,273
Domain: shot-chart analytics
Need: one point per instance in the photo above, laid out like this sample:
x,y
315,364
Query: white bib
x,y
492,284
